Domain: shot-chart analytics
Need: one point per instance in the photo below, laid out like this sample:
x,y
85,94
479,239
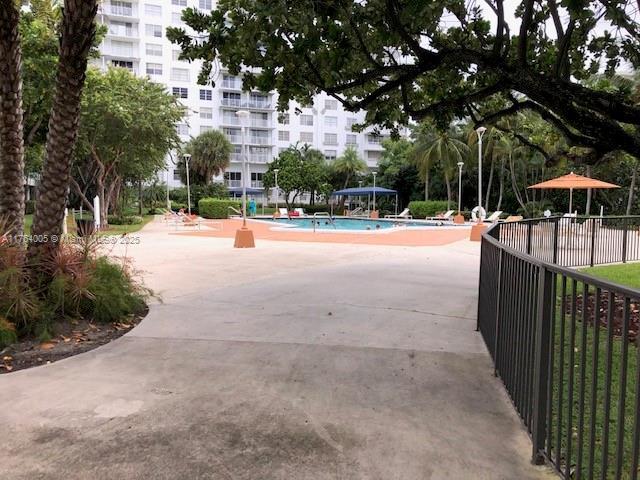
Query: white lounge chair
x,y
283,212
448,215
300,212
494,217
404,214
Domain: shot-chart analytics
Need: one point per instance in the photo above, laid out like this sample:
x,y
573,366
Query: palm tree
x,y
446,150
349,164
11,120
210,154
78,31
424,139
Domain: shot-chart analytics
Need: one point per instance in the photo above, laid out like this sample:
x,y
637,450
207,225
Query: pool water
x,y
356,224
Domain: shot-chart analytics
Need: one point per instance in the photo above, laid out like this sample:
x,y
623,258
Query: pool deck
x,y
431,236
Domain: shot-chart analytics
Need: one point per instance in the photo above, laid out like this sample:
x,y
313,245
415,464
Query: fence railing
x,y
574,241
565,345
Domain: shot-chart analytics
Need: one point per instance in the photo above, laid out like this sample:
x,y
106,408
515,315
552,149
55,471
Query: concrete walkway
x,y
291,361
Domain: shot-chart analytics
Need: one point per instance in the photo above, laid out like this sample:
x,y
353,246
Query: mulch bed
x,y
603,313
69,338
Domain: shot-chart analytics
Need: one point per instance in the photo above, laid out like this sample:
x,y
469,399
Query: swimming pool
x,y
352,224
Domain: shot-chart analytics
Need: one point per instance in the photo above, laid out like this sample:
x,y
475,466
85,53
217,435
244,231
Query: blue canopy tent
x,y
368,191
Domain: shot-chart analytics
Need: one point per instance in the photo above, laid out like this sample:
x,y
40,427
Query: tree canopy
x,y
210,155
403,59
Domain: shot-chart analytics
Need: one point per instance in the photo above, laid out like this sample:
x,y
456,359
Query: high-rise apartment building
x,y
136,40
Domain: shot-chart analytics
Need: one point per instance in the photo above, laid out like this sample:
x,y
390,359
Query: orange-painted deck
x,y
409,238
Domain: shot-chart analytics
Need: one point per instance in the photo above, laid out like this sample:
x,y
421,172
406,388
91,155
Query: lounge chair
x,y
283,212
300,212
404,214
494,217
512,218
448,215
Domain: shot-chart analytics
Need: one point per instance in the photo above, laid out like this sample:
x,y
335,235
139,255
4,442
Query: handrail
x,y
324,215
238,212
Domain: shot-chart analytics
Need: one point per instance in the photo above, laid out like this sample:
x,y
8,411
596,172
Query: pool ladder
x,y
322,215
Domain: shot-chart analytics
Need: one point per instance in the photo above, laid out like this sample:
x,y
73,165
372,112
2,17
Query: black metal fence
x,y
565,345
574,241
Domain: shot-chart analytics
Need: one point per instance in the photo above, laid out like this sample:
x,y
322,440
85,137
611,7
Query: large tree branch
x,y
527,20
497,46
396,23
458,102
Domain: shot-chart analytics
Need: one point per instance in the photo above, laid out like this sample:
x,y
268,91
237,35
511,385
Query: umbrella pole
x,y
396,204
571,201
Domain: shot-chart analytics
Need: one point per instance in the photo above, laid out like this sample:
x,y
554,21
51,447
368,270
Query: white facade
x,y
136,40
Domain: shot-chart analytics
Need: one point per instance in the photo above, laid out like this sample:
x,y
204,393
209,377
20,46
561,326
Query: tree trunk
x,y
140,206
77,34
426,185
11,120
488,194
448,183
501,182
632,187
587,210
514,184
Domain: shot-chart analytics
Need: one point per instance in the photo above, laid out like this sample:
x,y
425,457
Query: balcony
x,y
236,157
260,158
230,120
231,84
257,184
233,183
243,103
122,31
118,10
253,140
237,139
261,122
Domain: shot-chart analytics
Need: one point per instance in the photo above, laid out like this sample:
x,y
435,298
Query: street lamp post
x,y
374,214
187,157
459,218
275,171
478,229
244,236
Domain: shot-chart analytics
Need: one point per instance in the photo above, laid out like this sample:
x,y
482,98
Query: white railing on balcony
x,y
230,120
260,122
122,31
235,138
232,84
259,140
119,10
233,183
257,184
260,158
237,102
236,157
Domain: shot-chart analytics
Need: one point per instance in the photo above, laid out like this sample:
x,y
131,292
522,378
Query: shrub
x,y
124,220
422,209
311,209
7,333
216,208
198,192
113,294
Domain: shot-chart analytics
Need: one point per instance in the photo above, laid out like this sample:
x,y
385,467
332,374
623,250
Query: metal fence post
x,y
625,226
498,309
556,226
541,366
529,228
593,240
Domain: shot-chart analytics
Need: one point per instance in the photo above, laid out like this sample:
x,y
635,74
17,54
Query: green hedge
x,y
422,209
124,220
216,207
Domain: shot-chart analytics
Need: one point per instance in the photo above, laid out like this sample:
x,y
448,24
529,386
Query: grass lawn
x,y
625,274
580,358
112,230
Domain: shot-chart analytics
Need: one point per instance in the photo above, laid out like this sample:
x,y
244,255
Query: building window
x,y
230,99
306,137
122,29
233,179
175,55
330,121
153,30
122,49
374,156
176,175
180,74
154,50
205,5
374,139
205,128
152,10
283,136
121,8
330,104
206,113
180,92
154,69
122,64
259,100
176,18
330,138
182,129
283,118
352,139
306,120
205,94
330,155
351,121
229,81
180,3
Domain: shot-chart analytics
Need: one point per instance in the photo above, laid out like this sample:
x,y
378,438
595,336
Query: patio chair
x,y
404,214
494,217
300,212
448,215
283,212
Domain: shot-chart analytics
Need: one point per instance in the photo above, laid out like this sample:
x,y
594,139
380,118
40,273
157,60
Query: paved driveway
x,y
290,361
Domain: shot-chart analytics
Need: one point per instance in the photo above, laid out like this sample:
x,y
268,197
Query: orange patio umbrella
x,y
573,182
